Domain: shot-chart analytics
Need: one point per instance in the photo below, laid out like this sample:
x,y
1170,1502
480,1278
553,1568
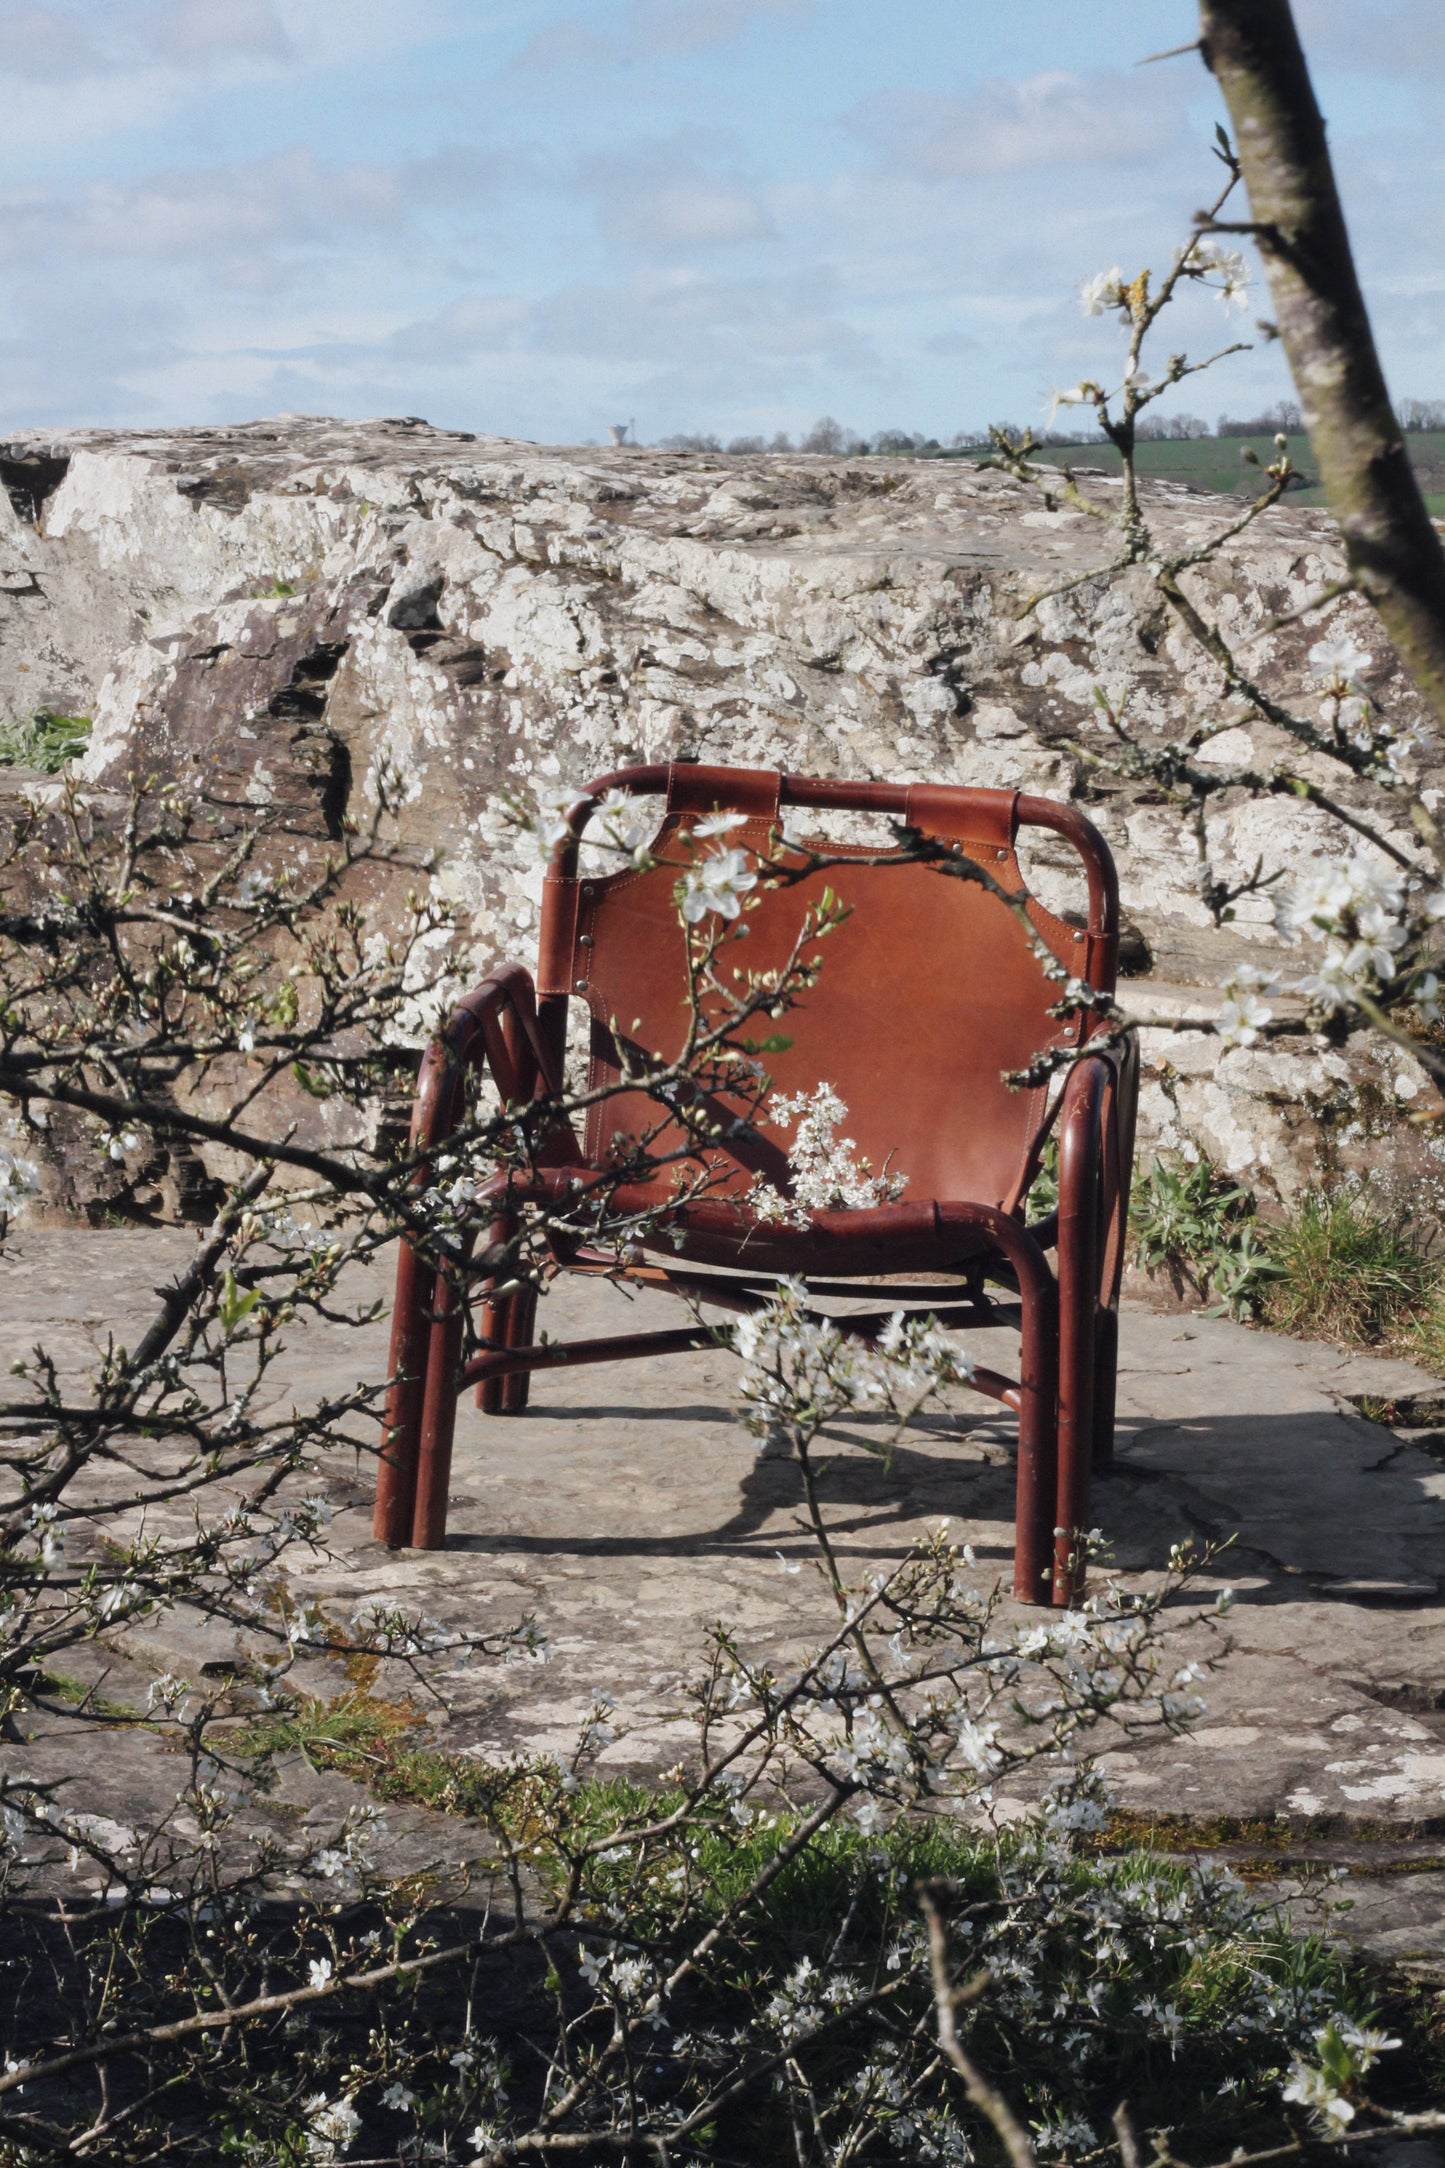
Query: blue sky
x,y
727,215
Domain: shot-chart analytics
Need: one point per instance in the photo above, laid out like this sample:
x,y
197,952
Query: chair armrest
x,y
494,1026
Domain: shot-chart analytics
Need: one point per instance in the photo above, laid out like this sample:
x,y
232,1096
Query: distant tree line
x,y
826,435
838,441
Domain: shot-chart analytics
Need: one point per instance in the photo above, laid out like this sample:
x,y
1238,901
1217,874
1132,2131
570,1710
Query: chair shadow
x,y
1277,1490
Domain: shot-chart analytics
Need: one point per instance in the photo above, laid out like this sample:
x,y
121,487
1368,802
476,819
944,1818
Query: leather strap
x,y
988,817
557,947
695,789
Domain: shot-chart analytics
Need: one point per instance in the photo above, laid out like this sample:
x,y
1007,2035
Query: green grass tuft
x,y
1353,1267
1349,1264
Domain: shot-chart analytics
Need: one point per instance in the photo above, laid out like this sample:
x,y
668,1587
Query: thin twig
x,y
948,2001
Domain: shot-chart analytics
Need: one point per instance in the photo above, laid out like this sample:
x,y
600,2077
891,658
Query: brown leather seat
x,y
931,988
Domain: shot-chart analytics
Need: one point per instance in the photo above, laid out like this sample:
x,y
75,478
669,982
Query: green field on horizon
x,y
1218,463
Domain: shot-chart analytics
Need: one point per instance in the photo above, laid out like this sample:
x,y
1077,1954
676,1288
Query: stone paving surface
x,y
628,1511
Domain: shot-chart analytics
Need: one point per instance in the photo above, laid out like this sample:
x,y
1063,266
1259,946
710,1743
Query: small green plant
x,y
1044,1189
1349,1264
1354,1266
1199,1229
47,741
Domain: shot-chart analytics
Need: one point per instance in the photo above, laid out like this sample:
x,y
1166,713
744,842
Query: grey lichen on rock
x,y
280,606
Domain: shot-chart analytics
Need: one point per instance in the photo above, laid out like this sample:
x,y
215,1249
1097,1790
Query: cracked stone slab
x,y
628,1511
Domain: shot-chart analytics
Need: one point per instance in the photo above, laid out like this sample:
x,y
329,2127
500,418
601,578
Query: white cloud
x,y
653,29
194,32
688,26
1389,37
661,198
75,74
286,201
1053,119
675,328
39,42
60,40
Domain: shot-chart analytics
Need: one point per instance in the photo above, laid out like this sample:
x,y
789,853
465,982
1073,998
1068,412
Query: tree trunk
x,y
1394,553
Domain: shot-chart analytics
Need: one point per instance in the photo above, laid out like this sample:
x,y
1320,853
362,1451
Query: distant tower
x,y
618,431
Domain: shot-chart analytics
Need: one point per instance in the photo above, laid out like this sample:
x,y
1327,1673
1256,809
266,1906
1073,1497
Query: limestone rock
x,y
278,607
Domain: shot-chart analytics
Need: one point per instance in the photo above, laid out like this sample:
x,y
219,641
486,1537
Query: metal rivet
x,y
1078,937
1001,854
586,888
579,986
585,940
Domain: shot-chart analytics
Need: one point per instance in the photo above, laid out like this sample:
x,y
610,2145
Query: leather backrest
x,y
928,992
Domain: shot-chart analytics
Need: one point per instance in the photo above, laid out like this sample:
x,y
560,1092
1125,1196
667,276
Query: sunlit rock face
x,y
276,608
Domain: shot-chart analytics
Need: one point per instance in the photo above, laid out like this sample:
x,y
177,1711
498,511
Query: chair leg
x,y
508,1323
1038,1448
1079,1254
521,1329
1076,1430
1106,1384
401,1421
438,1416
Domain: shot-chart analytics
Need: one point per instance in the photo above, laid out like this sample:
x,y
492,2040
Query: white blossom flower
x,y
319,1972
1365,2043
718,824
1209,261
547,825
1066,2134
978,1746
1340,659
1243,1014
1104,291
718,883
792,1362
827,1173
19,1181
617,821
1085,394
398,2096
49,1540
1354,904
1311,2089
630,1975
333,2125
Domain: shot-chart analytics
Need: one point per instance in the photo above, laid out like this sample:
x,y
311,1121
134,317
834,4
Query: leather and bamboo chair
x,y
929,991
